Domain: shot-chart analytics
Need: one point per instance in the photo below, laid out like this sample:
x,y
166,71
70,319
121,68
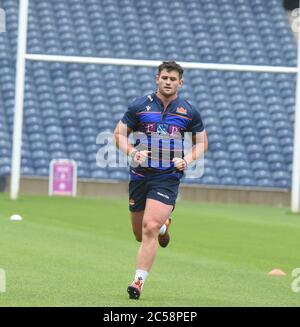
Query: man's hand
x,y
180,163
139,156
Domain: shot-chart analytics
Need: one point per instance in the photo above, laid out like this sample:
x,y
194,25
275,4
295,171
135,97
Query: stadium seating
x,y
248,116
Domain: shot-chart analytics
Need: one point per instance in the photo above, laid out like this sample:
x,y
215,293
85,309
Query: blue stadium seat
x,y
243,173
225,172
283,183
223,163
247,181
119,175
211,180
99,174
239,156
260,165
230,181
241,164
265,182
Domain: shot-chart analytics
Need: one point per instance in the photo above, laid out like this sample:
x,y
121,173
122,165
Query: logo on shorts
x,y
163,195
131,202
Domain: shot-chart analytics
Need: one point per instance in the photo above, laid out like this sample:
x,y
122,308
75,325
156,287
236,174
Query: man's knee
x,y
151,228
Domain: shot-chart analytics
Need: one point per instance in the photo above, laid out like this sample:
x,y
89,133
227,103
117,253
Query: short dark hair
x,y
170,65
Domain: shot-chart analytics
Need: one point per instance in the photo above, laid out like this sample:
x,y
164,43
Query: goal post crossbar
x,y
155,63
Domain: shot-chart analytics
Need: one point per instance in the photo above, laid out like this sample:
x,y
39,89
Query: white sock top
x,y
163,229
141,273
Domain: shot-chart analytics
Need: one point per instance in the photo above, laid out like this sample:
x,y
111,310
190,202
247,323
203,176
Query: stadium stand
x,y
248,116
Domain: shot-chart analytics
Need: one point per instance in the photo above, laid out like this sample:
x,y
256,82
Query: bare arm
x,y
121,134
200,146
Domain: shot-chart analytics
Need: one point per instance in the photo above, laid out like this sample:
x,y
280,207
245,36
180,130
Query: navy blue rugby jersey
x,y
161,131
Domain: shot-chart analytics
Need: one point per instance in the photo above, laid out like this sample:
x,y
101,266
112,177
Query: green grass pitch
x,y
81,252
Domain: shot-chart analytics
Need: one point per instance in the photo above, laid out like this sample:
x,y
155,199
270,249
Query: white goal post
x,y
22,56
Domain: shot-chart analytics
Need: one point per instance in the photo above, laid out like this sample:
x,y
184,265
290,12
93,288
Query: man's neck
x,y
166,100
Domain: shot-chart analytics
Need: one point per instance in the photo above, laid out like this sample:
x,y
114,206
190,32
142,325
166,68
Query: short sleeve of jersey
x,y
130,118
196,125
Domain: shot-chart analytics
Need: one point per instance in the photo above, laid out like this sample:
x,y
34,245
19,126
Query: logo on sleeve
x,y
181,110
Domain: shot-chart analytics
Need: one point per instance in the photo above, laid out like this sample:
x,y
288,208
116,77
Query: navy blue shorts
x,y
160,188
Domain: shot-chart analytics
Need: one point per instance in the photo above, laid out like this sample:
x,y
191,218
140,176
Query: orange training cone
x,y
277,272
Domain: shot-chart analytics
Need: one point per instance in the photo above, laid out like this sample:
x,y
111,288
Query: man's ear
x,y
180,83
156,79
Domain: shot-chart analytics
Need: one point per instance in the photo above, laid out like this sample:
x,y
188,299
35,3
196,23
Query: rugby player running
x,y
156,168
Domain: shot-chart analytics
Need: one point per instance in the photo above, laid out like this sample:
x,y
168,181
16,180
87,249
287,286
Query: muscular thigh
x,y
156,213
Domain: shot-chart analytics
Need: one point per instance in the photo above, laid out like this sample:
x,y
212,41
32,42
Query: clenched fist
x,y
180,163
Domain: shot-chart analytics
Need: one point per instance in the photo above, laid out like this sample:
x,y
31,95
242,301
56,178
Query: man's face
x,y
168,82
